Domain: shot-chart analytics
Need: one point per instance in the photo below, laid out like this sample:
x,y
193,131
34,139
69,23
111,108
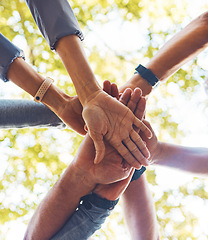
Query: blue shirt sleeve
x,y
8,53
83,223
26,113
55,19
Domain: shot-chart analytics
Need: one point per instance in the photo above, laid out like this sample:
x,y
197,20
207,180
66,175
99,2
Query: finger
x,y
139,154
140,109
125,153
134,100
141,145
107,86
139,124
99,147
114,91
125,96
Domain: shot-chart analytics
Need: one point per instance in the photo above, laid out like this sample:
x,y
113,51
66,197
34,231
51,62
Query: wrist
x,y
88,91
137,81
82,185
55,99
84,177
157,155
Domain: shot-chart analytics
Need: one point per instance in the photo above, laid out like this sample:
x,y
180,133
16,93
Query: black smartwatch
x,y
148,75
94,199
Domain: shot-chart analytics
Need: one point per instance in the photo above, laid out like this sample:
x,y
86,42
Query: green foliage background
x,y
35,158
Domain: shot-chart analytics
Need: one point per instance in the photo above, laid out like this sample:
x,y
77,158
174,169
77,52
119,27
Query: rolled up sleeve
x,y
55,19
8,53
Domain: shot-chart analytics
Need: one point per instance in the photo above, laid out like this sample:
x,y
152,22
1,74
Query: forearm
x,y
24,76
59,205
139,211
62,32
183,47
73,56
189,159
26,113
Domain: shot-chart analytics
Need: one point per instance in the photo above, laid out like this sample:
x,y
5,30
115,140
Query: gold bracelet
x,y
43,89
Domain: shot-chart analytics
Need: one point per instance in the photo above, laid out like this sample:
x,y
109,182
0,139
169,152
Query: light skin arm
x,y
183,47
190,159
65,107
139,211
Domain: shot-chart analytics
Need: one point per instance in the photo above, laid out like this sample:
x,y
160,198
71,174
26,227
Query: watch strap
x,y
138,173
147,74
43,89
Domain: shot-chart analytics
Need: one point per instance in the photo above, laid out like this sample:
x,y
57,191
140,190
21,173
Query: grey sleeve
x,y
83,223
8,53
26,113
55,19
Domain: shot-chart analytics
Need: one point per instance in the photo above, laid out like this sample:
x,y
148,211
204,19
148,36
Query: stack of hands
x,y
118,139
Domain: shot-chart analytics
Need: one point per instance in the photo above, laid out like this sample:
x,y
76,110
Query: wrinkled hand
x,y
106,118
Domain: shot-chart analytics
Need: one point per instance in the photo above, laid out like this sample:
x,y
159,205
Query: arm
x,y
14,68
65,107
96,207
190,159
26,113
51,213
139,211
79,179
183,47
105,118
62,200
85,220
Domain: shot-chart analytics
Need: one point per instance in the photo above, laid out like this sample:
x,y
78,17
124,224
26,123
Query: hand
x,y
71,114
152,144
113,168
136,104
107,118
114,190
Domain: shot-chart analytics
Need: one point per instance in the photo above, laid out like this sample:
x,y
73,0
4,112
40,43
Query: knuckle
x,y
127,140
126,154
134,150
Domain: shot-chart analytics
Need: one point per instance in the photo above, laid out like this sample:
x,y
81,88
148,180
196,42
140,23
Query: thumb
x,y
99,147
99,151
